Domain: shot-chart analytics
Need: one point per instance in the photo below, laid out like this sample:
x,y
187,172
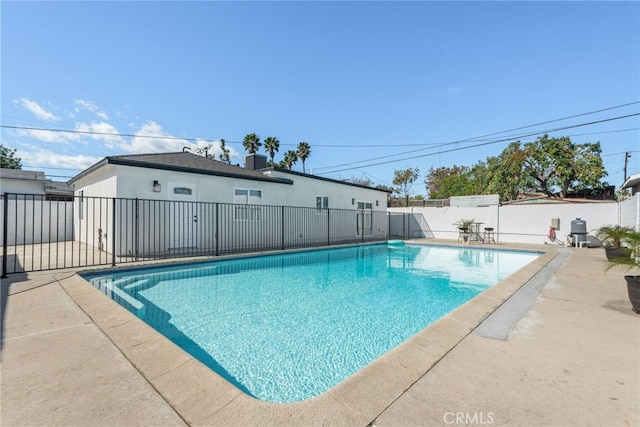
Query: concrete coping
x,y
201,396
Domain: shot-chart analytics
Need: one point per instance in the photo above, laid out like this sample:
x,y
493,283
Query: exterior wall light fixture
x,y
156,187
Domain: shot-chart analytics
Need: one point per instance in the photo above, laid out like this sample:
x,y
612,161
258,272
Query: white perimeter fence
x,y
525,223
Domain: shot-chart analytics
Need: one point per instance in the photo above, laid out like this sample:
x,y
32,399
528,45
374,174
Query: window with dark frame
x,y
248,204
322,204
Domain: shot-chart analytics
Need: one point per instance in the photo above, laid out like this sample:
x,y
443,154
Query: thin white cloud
x,y
90,106
455,90
38,157
49,136
37,110
148,138
159,142
103,132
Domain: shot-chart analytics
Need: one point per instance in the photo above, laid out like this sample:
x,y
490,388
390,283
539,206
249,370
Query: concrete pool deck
x,y
564,350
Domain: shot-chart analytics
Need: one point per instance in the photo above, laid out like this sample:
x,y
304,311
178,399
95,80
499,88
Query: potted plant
x,y
612,237
463,224
464,230
632,261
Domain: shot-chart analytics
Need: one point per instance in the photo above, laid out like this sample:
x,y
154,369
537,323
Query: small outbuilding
x,y
633,183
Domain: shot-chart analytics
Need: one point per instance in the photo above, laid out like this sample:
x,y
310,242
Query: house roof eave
x,y
88,171
631,181
322,178
159,166
121,161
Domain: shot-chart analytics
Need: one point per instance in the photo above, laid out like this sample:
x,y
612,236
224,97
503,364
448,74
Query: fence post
x,y
328,228
137,227
113,234
404,218
282,227
5,230
362,224
388,225
217,229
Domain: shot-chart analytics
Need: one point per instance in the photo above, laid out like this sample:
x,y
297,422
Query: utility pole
x,y
627,155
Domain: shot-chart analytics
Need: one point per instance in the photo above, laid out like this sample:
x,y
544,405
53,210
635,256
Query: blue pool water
x,y
288,327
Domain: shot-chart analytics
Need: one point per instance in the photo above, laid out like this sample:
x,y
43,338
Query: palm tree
x,y
224,156
613,235
290,157
304,151
251,143
271,146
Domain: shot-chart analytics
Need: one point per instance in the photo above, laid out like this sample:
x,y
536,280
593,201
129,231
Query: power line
x,y
515,136
621,152
438,143
604,132
48,167
430,145
479,138
509,138
195,140
88,132
514,129
474,145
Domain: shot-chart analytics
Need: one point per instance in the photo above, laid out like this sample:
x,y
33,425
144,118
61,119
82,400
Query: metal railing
x,y
402,202
40,234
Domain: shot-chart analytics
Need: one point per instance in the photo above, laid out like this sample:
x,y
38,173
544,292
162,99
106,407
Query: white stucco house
x,y
38,209
184,176
252,204
17,181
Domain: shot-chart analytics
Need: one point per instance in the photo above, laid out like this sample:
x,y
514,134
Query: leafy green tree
x,y
251,143
271,146
290,157
303,153
555,165
8,158
224,156
478,179
549,165
445,181
506,177
404,179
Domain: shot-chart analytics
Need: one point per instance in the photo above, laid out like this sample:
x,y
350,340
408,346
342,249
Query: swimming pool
x,y
286,328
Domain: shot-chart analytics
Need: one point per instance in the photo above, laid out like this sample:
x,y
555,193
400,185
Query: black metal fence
x,y
40,234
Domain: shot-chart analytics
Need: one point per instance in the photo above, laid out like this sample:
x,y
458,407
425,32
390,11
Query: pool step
x,y
124,299
137,284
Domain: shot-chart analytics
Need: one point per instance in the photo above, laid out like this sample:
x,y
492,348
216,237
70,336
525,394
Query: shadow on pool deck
x,y
567,355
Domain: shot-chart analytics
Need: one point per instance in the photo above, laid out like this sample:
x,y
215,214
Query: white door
x,y
364,218
183,210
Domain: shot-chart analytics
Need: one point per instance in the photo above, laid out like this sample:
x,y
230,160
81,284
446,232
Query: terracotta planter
x,y
633,287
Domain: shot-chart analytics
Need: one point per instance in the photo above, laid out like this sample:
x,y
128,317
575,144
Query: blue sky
x,y
371,86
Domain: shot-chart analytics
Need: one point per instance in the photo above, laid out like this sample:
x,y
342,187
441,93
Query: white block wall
x,y
630,212
525,223
35,220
